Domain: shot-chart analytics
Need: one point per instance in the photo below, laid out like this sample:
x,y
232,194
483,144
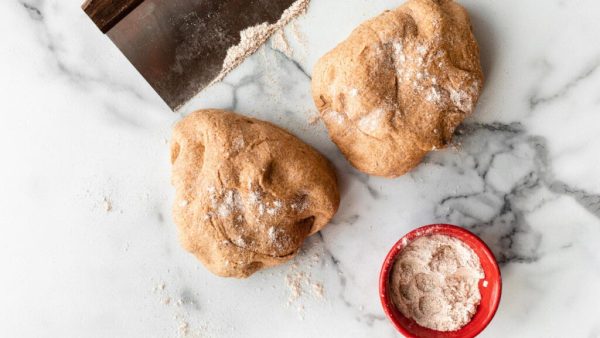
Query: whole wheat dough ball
x,y
247,192
399,85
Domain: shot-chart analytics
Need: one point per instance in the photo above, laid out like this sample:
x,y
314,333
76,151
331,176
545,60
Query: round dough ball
x,y
399,85
247,192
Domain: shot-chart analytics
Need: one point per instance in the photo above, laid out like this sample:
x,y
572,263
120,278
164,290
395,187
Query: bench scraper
x,y
179,45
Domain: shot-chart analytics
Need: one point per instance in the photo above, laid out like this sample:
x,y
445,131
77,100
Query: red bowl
x,y
490,293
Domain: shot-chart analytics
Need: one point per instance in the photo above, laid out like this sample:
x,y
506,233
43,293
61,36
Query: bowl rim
x,y
426,230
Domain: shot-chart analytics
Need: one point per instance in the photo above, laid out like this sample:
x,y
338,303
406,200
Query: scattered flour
x,y
224,202
252,38
399,53
274,208
299,36
461,99
313,119
424,82
181,317
239,143
336,116
280,43
271,208
107,204
299,281
318,290
371,122
434,95
227,203
271,233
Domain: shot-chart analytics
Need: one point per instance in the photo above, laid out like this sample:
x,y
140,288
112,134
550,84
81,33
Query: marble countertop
x,y
88,247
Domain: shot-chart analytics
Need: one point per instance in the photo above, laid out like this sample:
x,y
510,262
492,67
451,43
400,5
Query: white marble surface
x,y
79,125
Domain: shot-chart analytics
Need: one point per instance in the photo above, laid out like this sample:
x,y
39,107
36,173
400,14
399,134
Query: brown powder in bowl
x,y
434,281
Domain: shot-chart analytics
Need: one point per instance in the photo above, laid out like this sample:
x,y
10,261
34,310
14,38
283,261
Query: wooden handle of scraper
x,y
107,13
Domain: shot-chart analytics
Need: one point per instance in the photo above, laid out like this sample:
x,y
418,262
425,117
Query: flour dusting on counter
x,y
300,282
254,37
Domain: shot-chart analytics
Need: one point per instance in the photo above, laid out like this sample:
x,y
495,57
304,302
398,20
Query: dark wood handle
x,y
107,13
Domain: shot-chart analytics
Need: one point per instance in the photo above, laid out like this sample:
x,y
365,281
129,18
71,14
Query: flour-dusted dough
x,y
247,192
399,85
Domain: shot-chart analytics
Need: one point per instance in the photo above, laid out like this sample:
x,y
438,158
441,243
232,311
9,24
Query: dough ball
x,y
399,85
247,192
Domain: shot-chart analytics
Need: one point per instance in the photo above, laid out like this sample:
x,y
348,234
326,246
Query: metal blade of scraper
x,y
179,45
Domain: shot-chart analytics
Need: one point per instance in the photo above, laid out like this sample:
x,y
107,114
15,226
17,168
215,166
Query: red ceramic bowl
x,y
490,287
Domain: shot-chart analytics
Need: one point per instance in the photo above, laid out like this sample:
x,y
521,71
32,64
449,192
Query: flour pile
x,y
435,282
254,37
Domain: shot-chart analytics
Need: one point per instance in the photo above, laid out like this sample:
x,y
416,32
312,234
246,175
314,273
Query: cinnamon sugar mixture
x,y
434,281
